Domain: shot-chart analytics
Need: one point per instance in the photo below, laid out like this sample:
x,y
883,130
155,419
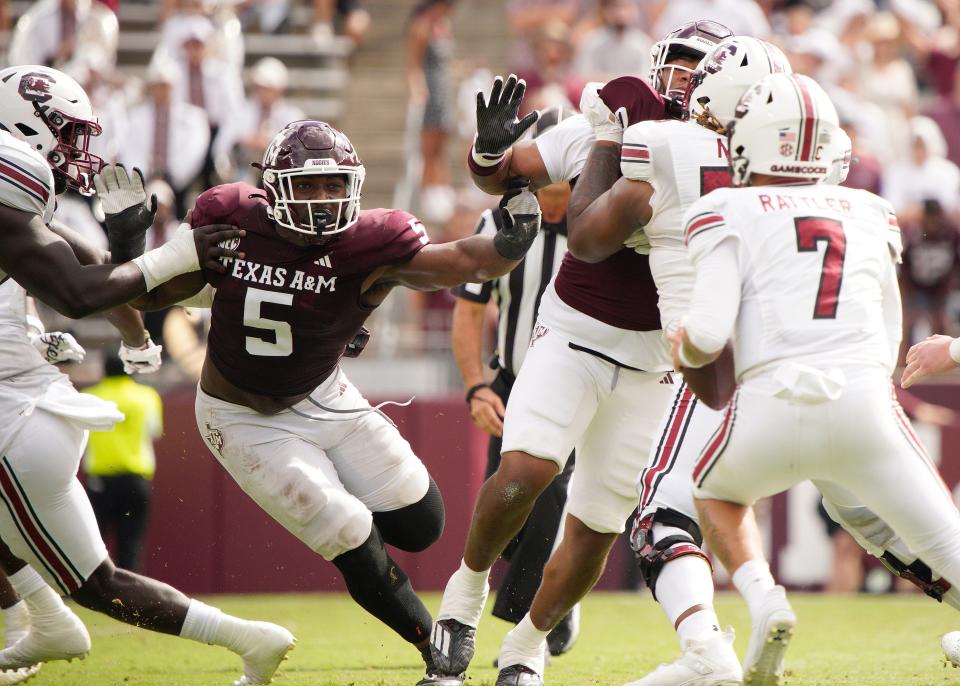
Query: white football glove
x,y
607,125
639,241
57,347
143,360
119,190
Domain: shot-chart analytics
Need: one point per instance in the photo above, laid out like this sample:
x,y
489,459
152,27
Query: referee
x,y
517,296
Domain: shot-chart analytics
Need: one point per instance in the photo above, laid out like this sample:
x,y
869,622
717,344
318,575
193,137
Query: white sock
x,y
754,581
41,600
683,583
524,645
16,623
202,623
465,595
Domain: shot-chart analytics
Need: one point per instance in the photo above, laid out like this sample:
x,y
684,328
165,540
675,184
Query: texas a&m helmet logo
x,y
35,86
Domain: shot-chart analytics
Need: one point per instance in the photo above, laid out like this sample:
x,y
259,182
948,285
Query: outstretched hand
x,y
928,357
517,220
497,125
128,213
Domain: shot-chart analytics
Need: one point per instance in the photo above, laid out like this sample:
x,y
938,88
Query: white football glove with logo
x,y
57,347
143,360
607,125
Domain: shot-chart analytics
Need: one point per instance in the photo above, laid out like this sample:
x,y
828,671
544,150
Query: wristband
x,y
176,256
484,165
684,360
955,350
472,391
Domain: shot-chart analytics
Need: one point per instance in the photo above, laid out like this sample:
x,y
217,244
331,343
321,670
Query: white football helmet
x,y
692,40
784,125
840,168
49,111
725,74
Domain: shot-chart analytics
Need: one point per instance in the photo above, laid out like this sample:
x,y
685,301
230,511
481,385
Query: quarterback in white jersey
x,y
802,277
666,167
47,519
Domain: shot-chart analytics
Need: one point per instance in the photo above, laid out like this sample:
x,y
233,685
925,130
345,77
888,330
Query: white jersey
x,y
815,262
682,161
26,180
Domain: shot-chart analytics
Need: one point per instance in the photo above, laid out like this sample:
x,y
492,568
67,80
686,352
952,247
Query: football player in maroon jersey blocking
x,y
275,408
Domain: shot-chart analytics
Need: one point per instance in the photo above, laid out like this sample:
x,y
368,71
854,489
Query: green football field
x,y
890,640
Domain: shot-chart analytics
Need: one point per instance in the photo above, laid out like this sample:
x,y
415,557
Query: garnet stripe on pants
x,y
907,431
670,441
39,540
717,443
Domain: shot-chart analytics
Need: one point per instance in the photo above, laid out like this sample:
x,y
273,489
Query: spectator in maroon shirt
x,y
931,255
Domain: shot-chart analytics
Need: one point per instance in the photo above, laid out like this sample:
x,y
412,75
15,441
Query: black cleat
x,y
518,675
565,634
451,646
433,677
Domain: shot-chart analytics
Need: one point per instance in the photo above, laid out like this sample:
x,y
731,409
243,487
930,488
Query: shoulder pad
x,y
220,202
26,181
641,102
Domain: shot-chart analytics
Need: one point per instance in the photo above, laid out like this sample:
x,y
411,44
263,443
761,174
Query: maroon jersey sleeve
x,y
218,205
382,237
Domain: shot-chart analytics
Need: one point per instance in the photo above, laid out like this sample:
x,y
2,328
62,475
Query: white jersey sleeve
x,y
636,162
26,180
705,224
565,147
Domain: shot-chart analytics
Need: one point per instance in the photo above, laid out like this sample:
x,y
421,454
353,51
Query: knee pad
x,y
345,535
415,527
683,537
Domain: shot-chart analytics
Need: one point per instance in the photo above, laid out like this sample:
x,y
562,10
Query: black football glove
x,y
517,219
128,214
497,124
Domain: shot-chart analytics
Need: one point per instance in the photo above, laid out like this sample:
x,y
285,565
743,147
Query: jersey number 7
x,y
810,232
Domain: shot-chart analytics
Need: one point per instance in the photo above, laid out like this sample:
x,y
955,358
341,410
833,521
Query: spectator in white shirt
x,y
743,17
245,134
167,139
52,31
928,175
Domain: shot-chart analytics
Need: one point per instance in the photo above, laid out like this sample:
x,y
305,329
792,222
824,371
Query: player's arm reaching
x,y
712,314
495,156
477,258
605,207
46,266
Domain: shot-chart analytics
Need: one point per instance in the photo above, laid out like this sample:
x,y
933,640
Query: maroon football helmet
x,y
692,40
309,148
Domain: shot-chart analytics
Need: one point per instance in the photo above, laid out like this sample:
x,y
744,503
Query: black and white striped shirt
x,y
518,293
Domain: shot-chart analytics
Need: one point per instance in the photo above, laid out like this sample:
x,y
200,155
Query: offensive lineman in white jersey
x,y
666,166
47,519
596,355
802,277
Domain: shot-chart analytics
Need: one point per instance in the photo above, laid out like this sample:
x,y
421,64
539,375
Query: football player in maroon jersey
x,y
274,406
597,355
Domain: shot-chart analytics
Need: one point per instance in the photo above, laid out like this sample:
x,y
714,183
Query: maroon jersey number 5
x,y
282,343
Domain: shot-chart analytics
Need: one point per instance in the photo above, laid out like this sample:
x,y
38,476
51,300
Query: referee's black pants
x,y
530,550
121,504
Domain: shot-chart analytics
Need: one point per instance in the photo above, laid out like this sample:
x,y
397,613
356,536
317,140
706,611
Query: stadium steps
x,y
376,99
318,74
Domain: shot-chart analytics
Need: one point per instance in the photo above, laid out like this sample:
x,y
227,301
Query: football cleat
x,y
451,646
434,678
9,677
950,643
61,637
518,675
562,637
708,662
266,646
763,664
